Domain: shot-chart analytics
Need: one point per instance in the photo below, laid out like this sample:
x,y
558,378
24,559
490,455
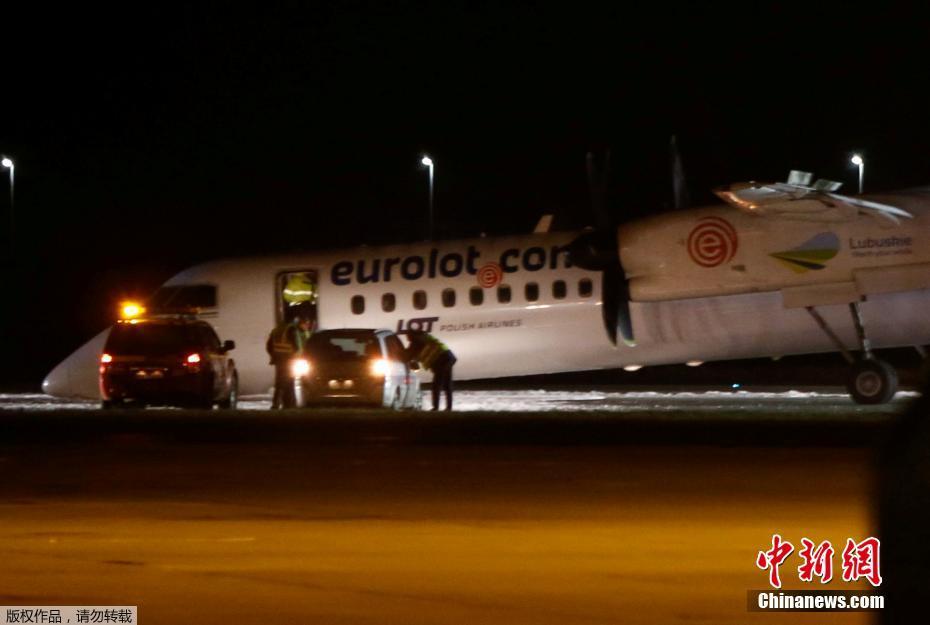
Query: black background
x,y
148,137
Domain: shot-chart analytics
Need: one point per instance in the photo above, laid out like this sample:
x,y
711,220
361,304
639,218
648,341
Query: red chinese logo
x,y
860,560
712,242
817,561
773,558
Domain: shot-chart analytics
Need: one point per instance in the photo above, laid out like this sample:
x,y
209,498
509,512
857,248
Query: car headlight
x,y
380,367
300,367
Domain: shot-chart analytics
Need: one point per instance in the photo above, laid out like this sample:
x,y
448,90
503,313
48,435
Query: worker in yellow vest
x,y
285,343
435,356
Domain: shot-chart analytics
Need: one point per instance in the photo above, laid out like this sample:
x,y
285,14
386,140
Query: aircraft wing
x,y
794,201
865,281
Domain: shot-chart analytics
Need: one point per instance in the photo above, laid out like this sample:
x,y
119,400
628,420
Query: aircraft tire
x,y
872,381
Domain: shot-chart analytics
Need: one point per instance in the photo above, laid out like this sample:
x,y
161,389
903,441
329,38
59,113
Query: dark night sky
x,y
151,137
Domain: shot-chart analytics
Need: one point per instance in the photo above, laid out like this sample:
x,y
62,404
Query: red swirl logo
x,y
490,274
712,242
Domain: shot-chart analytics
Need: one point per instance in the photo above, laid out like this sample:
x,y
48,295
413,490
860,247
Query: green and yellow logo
x,y
810,255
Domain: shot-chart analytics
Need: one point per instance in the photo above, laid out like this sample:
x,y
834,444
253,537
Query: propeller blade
x,y
680,196
597,187
610,302
615,307
597,251
624,319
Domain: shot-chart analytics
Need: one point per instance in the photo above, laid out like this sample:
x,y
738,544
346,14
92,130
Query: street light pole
x,y
429,163
8,163
858,160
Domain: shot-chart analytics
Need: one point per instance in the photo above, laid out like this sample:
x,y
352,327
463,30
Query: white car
x,y
358,366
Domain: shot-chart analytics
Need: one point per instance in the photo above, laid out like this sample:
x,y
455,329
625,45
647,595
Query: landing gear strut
x,y
870,380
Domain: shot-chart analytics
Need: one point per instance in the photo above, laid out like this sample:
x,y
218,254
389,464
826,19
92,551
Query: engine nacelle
x,y
722,251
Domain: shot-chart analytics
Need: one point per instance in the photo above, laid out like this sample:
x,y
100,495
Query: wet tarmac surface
x,y
640,508
571,400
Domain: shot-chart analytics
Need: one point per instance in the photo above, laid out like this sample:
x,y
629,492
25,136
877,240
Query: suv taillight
x,y
192,363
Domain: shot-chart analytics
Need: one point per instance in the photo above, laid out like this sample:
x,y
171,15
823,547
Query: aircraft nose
x,y
56,383
76,375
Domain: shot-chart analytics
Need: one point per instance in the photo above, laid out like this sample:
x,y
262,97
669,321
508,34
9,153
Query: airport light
x,y
428,162
131,310
8,163
859,162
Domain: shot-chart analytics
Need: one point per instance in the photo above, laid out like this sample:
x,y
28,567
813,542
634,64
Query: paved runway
x,y
541,400
648,515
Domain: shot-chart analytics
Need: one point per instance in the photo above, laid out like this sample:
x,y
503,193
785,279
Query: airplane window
x,y
585,288
448,298
503,294
358,304
388,302
559,290
476,296
419,300
531,291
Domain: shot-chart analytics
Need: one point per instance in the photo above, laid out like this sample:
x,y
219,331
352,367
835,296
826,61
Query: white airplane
x,y
782,268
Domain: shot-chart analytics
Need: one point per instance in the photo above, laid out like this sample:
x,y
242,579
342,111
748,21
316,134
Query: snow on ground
x,y
544,400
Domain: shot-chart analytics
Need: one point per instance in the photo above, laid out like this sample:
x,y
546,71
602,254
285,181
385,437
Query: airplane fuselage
x,y
706,284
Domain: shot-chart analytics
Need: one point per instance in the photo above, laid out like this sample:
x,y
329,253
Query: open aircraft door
x,y
296,292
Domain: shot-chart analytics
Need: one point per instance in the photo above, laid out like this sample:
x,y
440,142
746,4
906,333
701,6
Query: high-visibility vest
x,y
432,349
299,290
287,339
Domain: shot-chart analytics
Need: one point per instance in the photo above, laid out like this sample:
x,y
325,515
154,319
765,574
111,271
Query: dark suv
x,y
176,361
